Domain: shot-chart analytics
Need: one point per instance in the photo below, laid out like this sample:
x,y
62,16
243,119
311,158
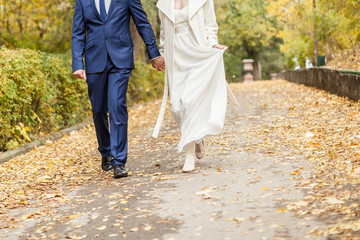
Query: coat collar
x,y
194,6
167,7
111,8
93,6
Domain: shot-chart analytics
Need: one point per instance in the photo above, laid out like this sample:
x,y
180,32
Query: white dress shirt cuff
x,y
155,58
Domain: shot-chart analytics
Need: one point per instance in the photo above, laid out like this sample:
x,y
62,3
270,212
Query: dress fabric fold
x,y
198,88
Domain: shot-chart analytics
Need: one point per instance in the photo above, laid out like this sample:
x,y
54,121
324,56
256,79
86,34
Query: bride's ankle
x,y
189,164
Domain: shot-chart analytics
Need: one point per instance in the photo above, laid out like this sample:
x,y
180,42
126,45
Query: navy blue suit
x,y
108,49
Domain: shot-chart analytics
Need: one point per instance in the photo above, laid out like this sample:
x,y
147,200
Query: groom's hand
x,y
158,63
80,74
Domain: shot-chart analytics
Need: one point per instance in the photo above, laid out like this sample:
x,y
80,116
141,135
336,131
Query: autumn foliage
x,y
37,95
34,24
328,27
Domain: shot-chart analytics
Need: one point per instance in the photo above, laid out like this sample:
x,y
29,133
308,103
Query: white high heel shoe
x,y
189,164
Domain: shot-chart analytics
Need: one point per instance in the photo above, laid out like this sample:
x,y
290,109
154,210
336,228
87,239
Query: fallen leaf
x,y
101,228
148,228
134,229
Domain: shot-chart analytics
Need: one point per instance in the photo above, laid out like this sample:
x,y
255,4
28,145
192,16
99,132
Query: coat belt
x,y
162,110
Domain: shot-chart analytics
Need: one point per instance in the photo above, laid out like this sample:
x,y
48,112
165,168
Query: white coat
x,y
202,20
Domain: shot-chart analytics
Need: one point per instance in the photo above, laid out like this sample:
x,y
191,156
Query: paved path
x,y
238,191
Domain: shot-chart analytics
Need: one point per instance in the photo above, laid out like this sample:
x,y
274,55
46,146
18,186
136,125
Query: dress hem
x,y
181,148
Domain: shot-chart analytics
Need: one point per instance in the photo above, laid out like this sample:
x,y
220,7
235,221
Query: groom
x,y
101,33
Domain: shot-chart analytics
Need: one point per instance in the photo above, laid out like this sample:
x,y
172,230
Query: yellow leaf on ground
x,y
101,228
134,229
75,216
148,228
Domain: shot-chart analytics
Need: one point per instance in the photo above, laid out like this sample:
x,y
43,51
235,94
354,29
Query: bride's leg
x,y
199,148
189,164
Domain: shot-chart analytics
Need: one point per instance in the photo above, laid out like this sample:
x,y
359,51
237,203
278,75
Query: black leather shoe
x,y
120,171
106,163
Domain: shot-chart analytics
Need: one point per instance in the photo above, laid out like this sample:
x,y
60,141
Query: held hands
x,y
80,74
158,63
222,47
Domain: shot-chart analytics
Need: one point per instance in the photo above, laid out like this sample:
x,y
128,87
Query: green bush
x,y
38,94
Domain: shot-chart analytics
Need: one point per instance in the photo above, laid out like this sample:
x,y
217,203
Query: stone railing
x,y
342,83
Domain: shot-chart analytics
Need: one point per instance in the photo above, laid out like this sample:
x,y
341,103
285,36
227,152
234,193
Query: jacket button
x,y
106,38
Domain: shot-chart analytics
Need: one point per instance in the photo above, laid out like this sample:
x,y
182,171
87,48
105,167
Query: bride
x,y
195,75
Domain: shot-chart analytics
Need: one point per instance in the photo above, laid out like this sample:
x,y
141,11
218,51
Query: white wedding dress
x,y
198,88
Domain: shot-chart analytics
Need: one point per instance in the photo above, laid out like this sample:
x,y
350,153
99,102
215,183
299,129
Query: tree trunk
x,y
257,71
315,35
139,50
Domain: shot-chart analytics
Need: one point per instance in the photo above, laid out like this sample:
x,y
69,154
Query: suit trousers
x,y
107,93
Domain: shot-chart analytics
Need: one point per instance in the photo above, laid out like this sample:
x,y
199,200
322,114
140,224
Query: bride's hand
x,y
222,47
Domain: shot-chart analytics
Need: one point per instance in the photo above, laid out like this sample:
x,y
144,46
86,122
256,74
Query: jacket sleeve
x,y
162,33
144,28
211,27
78,38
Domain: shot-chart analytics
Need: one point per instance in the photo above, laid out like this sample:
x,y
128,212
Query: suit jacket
x,y
98,38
